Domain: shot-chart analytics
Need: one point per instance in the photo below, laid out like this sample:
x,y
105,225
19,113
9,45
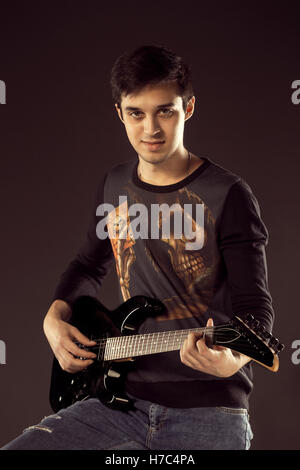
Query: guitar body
x,y
103,379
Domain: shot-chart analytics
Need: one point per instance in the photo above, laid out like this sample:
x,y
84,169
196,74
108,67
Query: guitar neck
x,y
121,347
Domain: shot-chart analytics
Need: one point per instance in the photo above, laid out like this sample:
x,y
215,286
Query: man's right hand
x,y
61,336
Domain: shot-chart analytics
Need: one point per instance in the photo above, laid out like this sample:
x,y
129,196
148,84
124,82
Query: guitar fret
x,y
117,350
125,343
142,340
106,349
138,349
111,346
134,345
153,344
150,343
120,347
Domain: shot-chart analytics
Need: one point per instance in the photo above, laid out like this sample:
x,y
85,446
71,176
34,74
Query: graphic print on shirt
x,y
193,270
196,269
122,241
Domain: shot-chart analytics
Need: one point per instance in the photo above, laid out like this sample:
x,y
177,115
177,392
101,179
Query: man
x,y
197,398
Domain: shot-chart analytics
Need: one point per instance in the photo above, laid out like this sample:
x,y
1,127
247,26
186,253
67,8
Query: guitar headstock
x,y
262,333
246,336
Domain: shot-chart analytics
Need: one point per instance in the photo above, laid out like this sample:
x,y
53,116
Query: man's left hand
x,y
218,360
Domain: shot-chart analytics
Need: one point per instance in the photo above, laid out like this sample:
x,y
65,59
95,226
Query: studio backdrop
x,y
60,133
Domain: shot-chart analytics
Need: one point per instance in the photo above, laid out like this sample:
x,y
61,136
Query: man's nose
x,y
151,126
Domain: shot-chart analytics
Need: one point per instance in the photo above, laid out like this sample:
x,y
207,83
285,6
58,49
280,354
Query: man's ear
x,y
190,108
119,112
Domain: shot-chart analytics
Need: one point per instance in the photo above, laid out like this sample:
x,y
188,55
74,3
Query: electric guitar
x,y
117,343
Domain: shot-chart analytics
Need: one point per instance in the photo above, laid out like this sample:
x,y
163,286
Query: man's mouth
x,y
153,145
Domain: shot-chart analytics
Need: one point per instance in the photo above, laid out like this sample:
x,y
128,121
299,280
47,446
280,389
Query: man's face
x,y
155,115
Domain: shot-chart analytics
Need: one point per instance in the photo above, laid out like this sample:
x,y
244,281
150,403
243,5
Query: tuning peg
x,y
279,347
276,346
249,318
266,335
262,333
262,330
251,322
273,341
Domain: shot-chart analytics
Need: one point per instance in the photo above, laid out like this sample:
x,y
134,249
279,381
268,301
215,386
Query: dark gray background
x,y
59,132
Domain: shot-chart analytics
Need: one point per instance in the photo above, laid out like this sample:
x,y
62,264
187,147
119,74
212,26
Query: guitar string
x,y
158,337
113,346
197,330
146,341
246,351
161,346
161,342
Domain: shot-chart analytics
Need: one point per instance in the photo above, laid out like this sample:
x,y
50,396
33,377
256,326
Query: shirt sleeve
x,y
243,238
86,271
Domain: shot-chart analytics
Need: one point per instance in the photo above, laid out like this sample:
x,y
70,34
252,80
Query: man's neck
x,y
169,171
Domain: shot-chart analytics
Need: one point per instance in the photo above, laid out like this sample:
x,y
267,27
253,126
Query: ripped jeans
x,y
90,425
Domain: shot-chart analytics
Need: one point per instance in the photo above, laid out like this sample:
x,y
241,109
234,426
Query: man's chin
x,y
151,157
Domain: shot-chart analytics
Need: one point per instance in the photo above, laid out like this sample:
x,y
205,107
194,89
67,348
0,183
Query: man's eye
x,y
167,112
135,114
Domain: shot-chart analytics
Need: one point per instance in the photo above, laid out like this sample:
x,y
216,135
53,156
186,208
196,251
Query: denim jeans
x,y
89,425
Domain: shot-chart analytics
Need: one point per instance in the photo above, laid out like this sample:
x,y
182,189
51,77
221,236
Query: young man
x,y
198,397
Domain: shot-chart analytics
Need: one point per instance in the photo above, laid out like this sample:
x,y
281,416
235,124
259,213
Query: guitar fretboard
x,y
121,347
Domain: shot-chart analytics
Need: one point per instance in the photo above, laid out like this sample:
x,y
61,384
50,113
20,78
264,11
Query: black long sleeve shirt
x,y
225,276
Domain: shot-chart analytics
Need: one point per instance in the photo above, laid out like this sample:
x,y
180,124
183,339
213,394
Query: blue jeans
x,y
89,425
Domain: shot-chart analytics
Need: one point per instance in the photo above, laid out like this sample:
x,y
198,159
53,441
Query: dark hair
x,y
149,65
